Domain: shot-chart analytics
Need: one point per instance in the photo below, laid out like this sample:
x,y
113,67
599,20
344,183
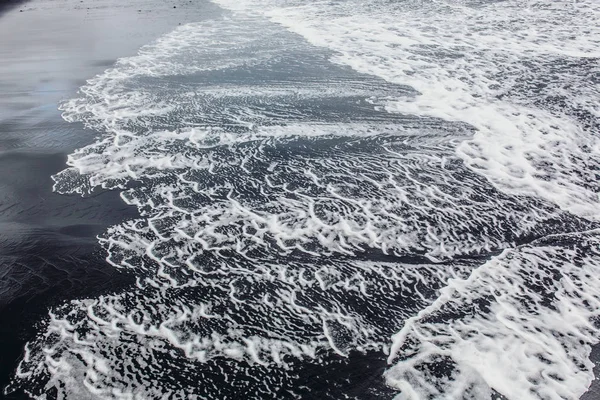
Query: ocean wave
x,y
292,209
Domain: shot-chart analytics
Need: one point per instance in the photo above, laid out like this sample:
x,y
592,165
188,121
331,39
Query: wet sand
x,y
48,247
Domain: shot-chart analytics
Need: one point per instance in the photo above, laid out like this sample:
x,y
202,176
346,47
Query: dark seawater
x,y
299,200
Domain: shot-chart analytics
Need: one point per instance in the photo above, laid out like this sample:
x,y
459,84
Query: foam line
x,y
294,210
472,63
533,308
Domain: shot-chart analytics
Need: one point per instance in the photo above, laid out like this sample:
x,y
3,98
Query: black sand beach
x,y
48,248
49,253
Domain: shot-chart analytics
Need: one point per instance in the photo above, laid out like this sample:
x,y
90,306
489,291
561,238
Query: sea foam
x,y
294,210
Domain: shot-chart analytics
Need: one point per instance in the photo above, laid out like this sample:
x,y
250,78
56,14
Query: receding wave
x,y
521,324
416,197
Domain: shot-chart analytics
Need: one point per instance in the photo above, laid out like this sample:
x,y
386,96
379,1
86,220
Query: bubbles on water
x,y
293,210
534,309
520,72
159,339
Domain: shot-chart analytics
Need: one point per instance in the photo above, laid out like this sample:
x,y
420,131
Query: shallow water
x,y
335,199
48,247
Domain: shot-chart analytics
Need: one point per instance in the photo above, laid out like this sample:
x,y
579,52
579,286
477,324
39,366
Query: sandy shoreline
x,y
48,248
47,241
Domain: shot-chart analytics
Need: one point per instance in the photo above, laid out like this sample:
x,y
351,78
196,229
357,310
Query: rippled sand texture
x,y
316,179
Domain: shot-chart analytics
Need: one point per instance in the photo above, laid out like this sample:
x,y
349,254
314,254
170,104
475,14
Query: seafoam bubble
x,y
524,81
522,324
159,340
293,210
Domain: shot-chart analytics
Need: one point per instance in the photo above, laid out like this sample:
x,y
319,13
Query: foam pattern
x,y
295,211
523,73
534,308
154,341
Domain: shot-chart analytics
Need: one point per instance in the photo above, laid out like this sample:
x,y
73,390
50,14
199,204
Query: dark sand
x,y
48,247
5,5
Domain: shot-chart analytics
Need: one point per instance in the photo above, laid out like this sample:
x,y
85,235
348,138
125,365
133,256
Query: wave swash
x,y
320,179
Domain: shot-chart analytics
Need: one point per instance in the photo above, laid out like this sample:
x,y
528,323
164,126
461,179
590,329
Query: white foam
x,y
130,345
522,324
303,203
408,203
465,61
259,195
